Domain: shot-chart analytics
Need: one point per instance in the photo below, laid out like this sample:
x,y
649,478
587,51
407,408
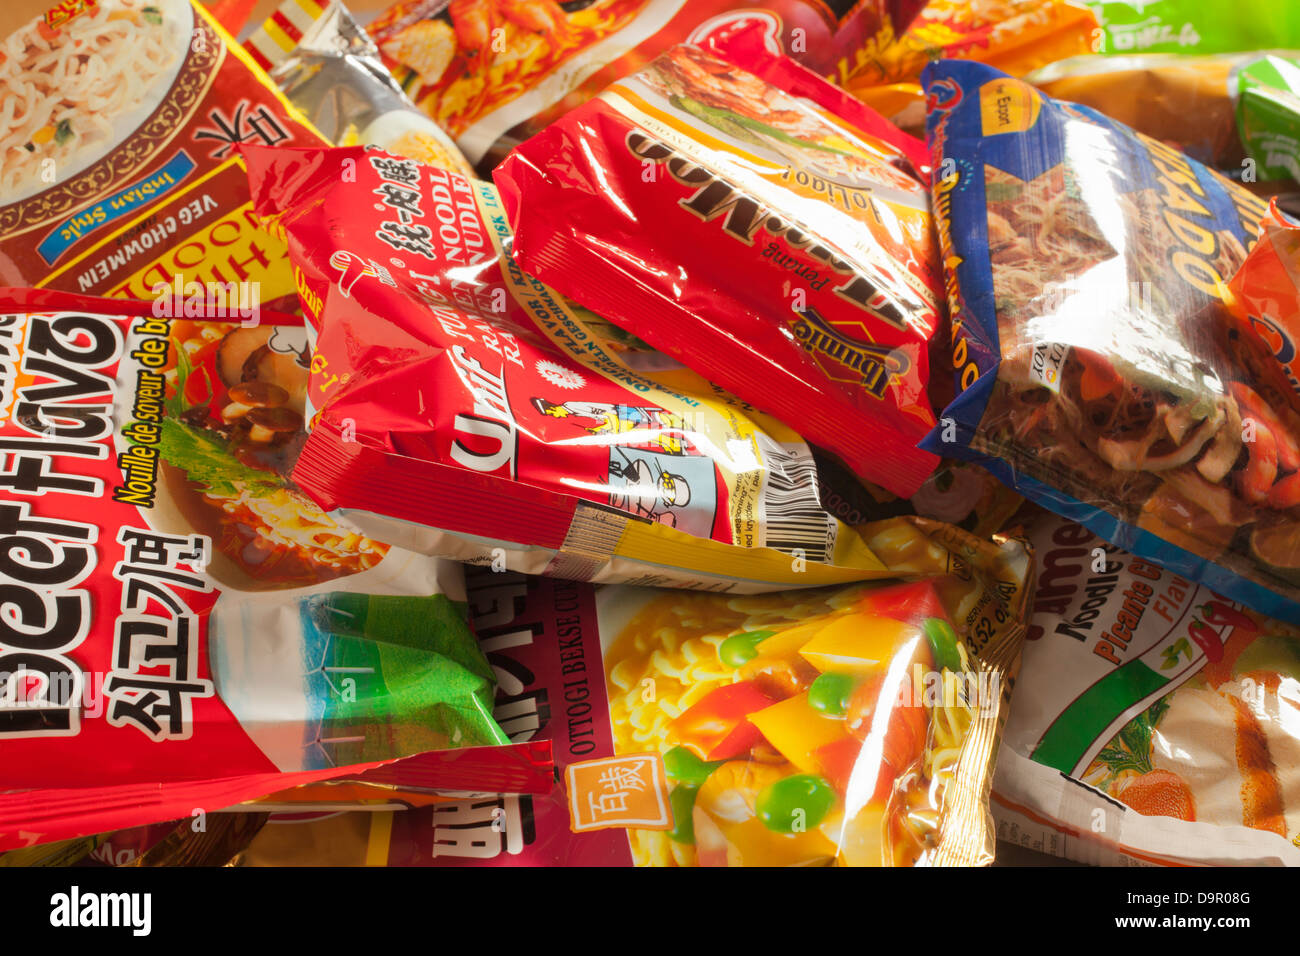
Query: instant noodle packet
x,y
119,165
1016,36
461,407
1194,26
849,725
495,72
820,296
186,629
1154,721
1099,371
331,70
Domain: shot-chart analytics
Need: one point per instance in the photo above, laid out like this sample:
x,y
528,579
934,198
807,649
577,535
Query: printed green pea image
x,y
740,648
795,804
682,801
943,643
683,766
829,694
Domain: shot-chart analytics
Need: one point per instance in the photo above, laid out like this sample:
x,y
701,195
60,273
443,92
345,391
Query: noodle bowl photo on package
x,y
70,95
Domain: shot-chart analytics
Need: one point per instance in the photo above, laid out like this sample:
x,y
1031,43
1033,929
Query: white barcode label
x,y
793,516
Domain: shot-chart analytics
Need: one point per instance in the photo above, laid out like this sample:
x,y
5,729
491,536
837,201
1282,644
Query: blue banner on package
x,y
122,203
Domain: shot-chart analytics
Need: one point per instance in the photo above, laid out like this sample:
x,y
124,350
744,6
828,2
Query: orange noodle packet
x,y
1016,36
494,72
1264,294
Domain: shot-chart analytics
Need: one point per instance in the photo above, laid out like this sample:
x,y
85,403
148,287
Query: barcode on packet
x,y
793,517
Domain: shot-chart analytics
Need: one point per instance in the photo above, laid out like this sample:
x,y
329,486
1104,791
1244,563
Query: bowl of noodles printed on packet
x,y
75,87
207,444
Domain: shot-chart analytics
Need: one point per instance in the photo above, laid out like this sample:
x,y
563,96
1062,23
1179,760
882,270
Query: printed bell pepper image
x,y
824,733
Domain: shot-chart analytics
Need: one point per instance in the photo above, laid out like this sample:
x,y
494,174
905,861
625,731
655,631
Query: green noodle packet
x,y
1194,26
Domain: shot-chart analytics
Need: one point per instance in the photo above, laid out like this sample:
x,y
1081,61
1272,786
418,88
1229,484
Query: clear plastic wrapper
x,y
1099,370
334,74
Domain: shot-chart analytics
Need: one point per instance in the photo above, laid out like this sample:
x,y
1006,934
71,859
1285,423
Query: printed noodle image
x,y
61,89
1146,412
749,109
692,649
229,480
474,56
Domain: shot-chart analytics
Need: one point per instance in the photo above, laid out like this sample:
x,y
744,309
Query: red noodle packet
x,y
460,407
747,218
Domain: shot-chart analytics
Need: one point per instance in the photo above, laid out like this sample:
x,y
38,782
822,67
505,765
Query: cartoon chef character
x,y
610,419
650,491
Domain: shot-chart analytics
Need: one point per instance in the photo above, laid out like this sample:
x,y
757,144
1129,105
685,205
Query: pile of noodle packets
x,y
625,433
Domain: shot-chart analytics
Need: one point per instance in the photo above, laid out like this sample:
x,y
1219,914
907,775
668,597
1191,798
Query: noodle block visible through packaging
x,y
849,725
184,628
119,165
463,408
1099,371
1154,720
1015,36
495,72
817,301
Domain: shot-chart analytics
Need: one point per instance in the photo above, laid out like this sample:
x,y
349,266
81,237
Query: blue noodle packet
x,y
1097,369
